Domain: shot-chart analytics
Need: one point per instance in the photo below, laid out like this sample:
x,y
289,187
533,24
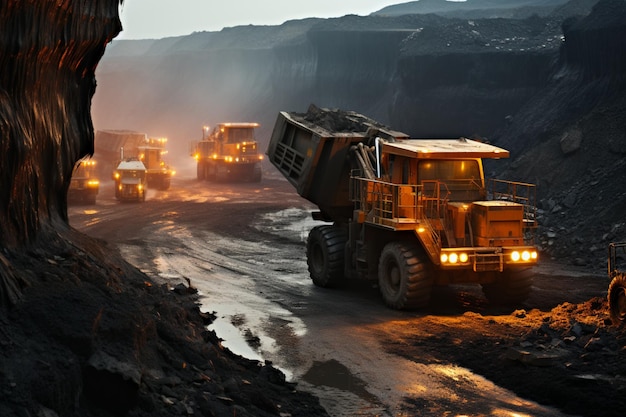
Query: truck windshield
x,y
445,170
132,174
240,134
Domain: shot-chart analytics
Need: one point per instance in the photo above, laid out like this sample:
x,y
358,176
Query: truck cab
x,y
437,188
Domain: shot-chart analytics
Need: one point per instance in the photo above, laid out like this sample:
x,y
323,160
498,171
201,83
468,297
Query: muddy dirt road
x,y
242,247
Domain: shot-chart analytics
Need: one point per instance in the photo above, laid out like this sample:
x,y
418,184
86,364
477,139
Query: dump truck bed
x,y
312,151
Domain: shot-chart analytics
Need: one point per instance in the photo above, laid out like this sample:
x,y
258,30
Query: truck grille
x,y
249,149
488,262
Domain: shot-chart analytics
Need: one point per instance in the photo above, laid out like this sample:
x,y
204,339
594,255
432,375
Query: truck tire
x,y
257,173
404,277
510,288
325,254
164,184
617,299
200,172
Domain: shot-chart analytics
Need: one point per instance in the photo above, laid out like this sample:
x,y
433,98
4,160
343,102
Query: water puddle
x,y
293,221
333,374
250,321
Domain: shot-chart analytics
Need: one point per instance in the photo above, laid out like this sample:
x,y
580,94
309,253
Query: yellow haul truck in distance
x,y
158,173
130,178
84,186
229,152
406,213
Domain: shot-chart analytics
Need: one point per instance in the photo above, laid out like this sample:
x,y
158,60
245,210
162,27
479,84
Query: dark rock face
x,y
426,75
570,139
465,77
594,45
48,57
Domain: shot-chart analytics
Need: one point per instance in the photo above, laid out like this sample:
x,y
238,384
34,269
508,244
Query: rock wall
x,y
396,70
571,139
48,57
465,94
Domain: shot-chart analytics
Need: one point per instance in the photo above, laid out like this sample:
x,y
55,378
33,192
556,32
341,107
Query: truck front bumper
x,y
488,259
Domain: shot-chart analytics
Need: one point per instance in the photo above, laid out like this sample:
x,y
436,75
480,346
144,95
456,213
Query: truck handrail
x,y
612,258
401,206
517,192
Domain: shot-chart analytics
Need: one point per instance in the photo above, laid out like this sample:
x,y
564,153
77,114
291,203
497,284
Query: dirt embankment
x,y
93,336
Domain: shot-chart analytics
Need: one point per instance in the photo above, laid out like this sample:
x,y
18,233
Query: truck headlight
x,y
524,256
453,258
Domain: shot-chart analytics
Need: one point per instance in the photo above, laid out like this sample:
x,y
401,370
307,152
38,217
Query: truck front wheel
x,y
617,299
404,278
510,287
257,173
325,254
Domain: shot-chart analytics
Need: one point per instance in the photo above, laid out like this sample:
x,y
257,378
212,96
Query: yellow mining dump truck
x,y
158,173
617,286
108,144
406,213
113,146
84,186
229,152
130,178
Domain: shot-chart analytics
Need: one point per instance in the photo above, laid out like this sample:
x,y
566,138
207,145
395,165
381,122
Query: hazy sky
x,y
145,19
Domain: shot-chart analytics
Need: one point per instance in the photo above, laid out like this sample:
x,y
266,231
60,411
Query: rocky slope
x,y
375,65
571,139
94,336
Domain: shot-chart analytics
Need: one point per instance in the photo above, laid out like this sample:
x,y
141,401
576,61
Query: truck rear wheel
x,y
404,278
510,287
164,184
617,299
200,172
325,254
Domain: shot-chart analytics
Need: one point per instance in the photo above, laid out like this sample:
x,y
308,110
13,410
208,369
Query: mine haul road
x,y
243,247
